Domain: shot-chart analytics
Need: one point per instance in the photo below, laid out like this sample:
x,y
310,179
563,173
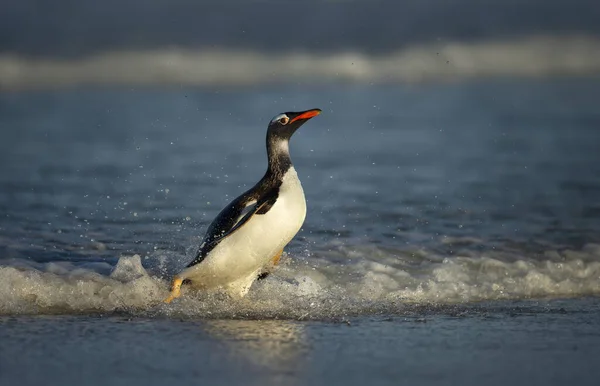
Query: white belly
x,y
237,260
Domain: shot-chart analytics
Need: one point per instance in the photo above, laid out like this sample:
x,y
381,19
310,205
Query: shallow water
x,y
545,343
422,194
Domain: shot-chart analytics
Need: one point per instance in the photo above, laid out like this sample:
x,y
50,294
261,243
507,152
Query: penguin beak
x,y
306,115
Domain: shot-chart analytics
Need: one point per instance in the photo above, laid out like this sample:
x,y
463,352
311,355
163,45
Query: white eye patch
x,y
281,118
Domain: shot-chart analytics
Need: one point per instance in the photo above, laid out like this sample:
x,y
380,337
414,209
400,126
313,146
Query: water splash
x,y
360,280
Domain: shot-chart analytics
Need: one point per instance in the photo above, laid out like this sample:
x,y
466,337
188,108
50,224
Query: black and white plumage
x,y
251,232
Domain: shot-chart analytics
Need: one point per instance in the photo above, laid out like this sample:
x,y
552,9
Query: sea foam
x,y
360,280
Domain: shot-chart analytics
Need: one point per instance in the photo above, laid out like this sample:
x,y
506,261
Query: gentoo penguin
x,y
250,233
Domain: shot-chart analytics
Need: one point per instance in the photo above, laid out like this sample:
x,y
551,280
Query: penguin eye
x,y
284,120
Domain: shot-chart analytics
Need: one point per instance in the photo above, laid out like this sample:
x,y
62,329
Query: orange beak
x,y
307,114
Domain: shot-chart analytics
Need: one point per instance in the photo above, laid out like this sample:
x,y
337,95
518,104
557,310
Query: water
x,y
540,345
447,203
315,25
575,54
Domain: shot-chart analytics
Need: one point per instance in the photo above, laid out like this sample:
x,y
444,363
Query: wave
x,y
525,57
340,281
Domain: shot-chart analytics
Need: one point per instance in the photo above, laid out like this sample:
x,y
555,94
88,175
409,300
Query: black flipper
x,y
211,242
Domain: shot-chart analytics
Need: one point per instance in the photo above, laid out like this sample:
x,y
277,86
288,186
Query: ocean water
x,y
76,29
458,215
549,344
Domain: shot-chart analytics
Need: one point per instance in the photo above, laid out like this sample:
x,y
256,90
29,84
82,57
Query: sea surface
x,y
452,234
75,29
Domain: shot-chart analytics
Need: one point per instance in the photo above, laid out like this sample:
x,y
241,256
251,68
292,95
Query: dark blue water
x,y
547,344
456,192
33,28
504,161
452,233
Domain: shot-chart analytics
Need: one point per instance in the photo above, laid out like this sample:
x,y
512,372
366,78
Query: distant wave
x,y
538,56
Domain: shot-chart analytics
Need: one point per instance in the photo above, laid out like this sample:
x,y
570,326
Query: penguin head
x,y
284,125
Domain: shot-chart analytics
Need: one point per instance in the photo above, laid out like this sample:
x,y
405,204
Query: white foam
x,y
304,287
64,288
527,57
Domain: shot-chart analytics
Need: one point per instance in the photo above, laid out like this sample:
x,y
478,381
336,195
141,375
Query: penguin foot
x,y
175,289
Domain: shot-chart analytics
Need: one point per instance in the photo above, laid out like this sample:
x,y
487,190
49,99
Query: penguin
x,y
248,236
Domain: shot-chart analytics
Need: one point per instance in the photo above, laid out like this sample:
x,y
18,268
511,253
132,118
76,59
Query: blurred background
x,y
185,42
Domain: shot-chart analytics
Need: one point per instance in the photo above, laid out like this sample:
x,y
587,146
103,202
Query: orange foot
x,y
175,289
